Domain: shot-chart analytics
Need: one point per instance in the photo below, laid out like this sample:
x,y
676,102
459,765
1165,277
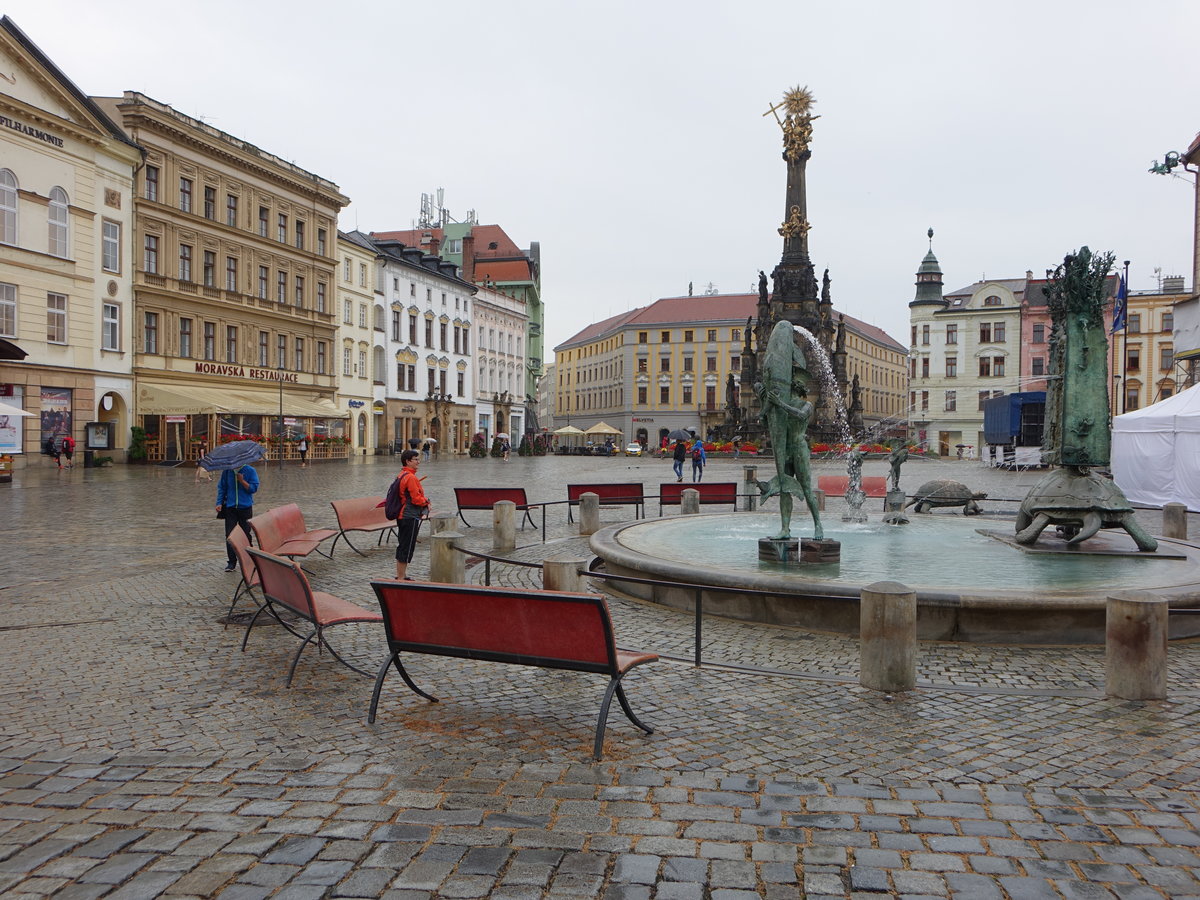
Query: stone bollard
x,y
689,502
446,564
1175,521
589,513
750,480
1135,647
820,495
440,522
562,574
887,637
504,526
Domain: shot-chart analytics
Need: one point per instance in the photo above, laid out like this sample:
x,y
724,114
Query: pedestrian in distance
x,y
424,450
303,448
68,450
679,456
235,504
506,449
414,506
737,448
699,459
56,443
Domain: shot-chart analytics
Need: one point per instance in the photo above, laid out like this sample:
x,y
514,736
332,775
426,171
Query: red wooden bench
x,y
486,498
281,531
548,629
671,494
360,514
836,485
285,585
627,493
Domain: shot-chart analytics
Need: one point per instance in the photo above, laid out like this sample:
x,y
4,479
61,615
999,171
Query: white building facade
x,y
360,323
500,323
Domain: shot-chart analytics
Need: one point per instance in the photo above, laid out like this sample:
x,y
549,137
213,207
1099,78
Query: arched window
x,y
8,207
362,430
58,222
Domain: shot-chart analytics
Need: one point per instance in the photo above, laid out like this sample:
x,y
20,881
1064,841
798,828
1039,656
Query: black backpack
x,y
393,502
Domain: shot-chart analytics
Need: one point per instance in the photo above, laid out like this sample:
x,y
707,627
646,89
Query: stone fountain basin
x,y
972,583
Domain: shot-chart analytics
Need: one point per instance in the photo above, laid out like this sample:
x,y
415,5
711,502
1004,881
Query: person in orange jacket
x,y
415,508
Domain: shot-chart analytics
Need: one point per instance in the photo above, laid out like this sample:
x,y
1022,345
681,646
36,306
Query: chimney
x,y
1029,274
434,243
468,257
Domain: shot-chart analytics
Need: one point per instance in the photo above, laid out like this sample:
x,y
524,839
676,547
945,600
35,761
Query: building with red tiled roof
x,y
669,365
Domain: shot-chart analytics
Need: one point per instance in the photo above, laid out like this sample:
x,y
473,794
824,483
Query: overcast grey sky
x,y
628,137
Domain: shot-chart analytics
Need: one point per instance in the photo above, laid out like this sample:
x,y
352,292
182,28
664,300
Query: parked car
x,y
634,449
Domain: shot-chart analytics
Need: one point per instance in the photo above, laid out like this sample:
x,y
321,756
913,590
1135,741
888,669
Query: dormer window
x,y
993,300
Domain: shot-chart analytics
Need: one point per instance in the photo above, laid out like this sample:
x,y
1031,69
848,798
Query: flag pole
x,y
1125,338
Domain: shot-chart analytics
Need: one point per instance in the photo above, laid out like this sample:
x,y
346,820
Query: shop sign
x,y
408,409
642,419
287,420
355,404
171,419
206,368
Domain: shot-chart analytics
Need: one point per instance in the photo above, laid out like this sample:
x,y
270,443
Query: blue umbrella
x,y
233,455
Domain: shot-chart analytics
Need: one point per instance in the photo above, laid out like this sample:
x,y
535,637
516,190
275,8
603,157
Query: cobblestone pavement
x,y
141,754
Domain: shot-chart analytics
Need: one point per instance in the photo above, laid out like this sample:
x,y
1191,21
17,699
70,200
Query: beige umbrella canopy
x,y
603,428
568,430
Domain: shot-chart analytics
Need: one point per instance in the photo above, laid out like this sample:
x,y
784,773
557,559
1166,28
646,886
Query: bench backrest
x,y
485,498
621,492
277,526
834,485
240,542
553,629
284,582
359,512
710,491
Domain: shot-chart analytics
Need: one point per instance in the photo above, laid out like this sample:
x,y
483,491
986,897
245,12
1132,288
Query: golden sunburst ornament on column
x,y
798,101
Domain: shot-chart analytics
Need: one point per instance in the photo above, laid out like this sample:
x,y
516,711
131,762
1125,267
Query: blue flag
x,y
1120,307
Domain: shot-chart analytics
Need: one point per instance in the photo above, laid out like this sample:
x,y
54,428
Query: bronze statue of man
x,y
786,411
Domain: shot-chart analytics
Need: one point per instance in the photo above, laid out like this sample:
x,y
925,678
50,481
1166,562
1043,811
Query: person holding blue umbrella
x,y
236,487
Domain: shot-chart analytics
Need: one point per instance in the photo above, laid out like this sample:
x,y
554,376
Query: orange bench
x,y
281,531
671,493
486,498
548,629
360,514
836,485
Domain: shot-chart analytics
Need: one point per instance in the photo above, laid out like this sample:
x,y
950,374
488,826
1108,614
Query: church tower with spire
x,y
929,281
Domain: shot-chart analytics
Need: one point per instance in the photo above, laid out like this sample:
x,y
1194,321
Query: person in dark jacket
x,y
235,498
679,455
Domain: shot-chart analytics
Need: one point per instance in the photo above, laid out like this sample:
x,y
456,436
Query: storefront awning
x,y
162,400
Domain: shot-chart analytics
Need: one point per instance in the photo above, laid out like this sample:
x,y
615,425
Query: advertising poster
x,y
56,413
12,431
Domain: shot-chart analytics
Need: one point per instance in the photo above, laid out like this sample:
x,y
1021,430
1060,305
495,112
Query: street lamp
x,y
280,370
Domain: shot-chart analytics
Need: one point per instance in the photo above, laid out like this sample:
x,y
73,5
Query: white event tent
x,y
1156,451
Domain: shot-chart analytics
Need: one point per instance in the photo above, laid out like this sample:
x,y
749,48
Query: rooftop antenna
x,y
441,192
1157,278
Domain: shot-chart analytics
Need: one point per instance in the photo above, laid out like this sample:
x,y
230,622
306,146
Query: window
x,y
735,334
231,267
914,336
912,367
642,335
210,202
687,336
735,363
281,287
429,380
210,268
320,296
1131,397
466,341
299,292
185,337
412,328
299,235
282,232
8,207
263,277
641,396
664,337
320,357
264,348
362,316
428,295
925,335
924,401
687,394
1166,358
346,361
412,289
951,366
951,334
210,340
1133,359
152,183
664,364
8,310
925,367
1135,323
664,394
688,363
1168,321
362,365
57,223
282,354
1037,366
264,216
710,364
462,383
150,256
321,237
442,336
712,334
347,312
984,396
362,278
951,403
346,268
150,333
429,334
998,366
110,328
231,354
985,367
396,328
443,298
641,366
993,300
985,332
457,339
1039,333
231,205
412,379
110,246
299,354
998,332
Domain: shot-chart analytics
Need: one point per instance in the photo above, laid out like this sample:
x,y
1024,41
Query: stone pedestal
x,y
784,550
589,514
504,526
689,502
1135,647
820,551
1175,521
887,644
446,565
819,496
562,574
750,486
440,522
893,505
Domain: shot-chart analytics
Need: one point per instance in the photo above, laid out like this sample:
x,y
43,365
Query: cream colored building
x,y
1142,356
360,323
234,282
500,323
66,214
880,363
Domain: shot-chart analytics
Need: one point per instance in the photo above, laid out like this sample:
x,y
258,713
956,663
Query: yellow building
x,y
66,305
234,258
1143,354
360,319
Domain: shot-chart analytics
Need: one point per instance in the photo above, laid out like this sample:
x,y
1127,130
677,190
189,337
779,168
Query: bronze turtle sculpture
x,y
946,493
1078,502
